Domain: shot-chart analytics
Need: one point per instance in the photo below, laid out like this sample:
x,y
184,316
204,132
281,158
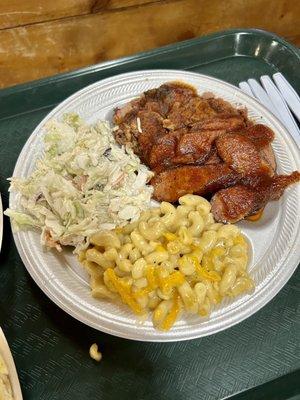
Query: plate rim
x,y
74,312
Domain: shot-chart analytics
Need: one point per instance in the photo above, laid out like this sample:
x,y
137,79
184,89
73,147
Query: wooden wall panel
x,y
15,13
46,48
22,12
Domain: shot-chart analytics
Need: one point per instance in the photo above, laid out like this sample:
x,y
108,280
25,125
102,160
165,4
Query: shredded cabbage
x,y
84,183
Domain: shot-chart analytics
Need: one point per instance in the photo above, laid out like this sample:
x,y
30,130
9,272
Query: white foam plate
x,y
9,361
274,239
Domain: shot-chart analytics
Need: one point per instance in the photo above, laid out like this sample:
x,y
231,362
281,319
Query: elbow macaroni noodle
x,y
95,354
169,261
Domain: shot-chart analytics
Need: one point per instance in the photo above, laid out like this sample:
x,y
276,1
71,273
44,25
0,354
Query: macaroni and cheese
x,y
172,259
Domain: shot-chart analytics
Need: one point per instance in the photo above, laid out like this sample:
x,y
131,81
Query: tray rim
x,y
145,54
28,86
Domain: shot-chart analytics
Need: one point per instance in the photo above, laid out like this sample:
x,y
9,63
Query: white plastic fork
x,y
261,95
289,93
275,100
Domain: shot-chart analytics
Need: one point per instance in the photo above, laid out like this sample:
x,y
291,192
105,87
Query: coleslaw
x,y
85,182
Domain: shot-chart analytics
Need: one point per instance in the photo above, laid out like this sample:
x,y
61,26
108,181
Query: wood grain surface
x,y
43,38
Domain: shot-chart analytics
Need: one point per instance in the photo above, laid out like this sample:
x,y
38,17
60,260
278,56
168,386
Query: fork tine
x,y
281,106
289,93
261,95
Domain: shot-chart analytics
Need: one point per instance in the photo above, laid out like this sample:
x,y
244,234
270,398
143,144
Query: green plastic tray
x,y
257,359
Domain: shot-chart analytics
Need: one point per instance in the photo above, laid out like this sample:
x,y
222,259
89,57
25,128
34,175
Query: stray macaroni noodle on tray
x,y
172,259
95,354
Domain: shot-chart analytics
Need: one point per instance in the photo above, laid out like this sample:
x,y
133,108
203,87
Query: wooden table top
x,y
39,38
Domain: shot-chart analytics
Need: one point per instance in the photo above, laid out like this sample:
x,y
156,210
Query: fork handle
x,y
282,108
289,93
262,96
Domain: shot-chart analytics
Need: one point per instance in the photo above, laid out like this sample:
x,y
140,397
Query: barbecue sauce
x,y
255,217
